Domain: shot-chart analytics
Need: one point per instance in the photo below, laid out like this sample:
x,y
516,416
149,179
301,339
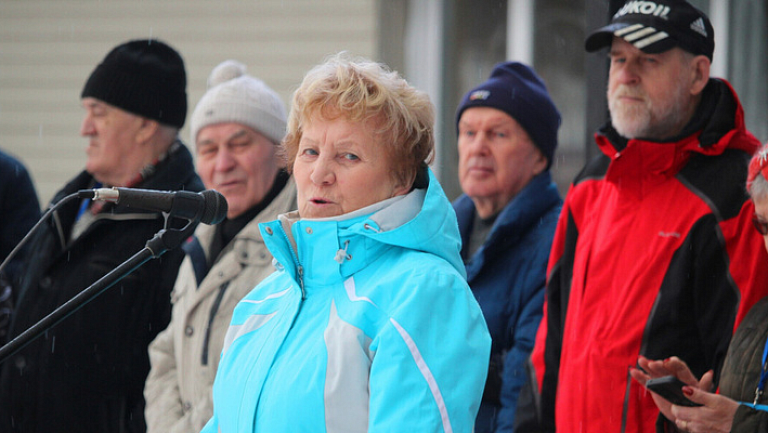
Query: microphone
x,y
208,207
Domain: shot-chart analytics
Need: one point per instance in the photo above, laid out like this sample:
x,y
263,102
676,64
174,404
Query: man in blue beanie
x,y
507,135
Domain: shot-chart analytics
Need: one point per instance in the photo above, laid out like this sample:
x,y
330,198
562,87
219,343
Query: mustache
x,y
627,91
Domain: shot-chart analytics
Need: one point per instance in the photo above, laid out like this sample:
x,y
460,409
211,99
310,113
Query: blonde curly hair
x,y
360,90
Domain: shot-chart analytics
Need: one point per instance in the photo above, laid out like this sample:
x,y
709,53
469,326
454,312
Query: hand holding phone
x,y
671,388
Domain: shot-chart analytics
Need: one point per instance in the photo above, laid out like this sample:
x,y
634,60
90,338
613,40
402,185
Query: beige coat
x,y
178,388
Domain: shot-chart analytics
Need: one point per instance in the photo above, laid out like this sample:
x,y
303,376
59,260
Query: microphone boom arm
x,y
164,240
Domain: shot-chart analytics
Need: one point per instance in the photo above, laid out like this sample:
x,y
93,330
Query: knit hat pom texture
x,y
234,96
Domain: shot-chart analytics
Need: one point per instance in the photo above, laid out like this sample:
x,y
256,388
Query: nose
x,y
322,172
87,128
224,160
627,73
478,143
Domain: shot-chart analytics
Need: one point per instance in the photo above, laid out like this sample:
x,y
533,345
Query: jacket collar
x,y
515,219
176,172
718,119
423,220
285,199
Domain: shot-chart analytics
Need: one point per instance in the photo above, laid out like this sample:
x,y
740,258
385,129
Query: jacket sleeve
x,y
164,411
750,420
541,388
431,360
212,426
523,333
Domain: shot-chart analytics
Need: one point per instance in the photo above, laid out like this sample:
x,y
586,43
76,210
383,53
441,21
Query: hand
x,y
716,414
676,367
671,366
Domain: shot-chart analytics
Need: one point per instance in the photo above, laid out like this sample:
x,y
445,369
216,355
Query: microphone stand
x,y
163,241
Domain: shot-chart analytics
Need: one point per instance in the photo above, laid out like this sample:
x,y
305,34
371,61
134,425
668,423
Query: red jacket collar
x,y
669,157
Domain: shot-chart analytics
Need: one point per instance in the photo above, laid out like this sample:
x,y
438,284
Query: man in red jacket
x,y
654,253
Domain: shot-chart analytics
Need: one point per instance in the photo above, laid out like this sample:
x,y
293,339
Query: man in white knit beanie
x,y
237,127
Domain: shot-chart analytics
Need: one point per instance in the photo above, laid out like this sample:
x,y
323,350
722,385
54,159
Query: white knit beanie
x,y
234,96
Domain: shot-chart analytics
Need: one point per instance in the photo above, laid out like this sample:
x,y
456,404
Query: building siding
x,y
48,48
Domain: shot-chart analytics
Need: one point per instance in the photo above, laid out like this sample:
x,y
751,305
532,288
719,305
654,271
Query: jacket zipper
x,y
299,268
211,316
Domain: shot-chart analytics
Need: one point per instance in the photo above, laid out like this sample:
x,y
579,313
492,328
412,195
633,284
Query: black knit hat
x,y
657,26
145,77
517,90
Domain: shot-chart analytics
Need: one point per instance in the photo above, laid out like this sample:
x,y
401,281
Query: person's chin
x,y
628,129
235,207
478,183
91,167
320,211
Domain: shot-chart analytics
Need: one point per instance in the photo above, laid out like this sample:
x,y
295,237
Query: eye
x,y
239,145
309,152
351,157
500,134
98,111
206,151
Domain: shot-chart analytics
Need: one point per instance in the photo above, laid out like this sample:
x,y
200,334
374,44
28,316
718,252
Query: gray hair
x,y
758,189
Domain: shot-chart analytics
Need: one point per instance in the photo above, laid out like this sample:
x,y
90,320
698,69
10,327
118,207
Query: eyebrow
x,y
493,123
239,133
95,104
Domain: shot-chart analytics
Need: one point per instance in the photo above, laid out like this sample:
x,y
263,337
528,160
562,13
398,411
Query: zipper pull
x,y
758,394
301,282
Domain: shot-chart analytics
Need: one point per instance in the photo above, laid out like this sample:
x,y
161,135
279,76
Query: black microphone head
x,y
215,209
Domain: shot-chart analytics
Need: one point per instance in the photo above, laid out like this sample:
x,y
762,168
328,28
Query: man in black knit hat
x,y
87,373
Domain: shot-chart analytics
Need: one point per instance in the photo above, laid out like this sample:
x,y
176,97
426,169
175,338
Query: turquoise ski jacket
x,y
367,325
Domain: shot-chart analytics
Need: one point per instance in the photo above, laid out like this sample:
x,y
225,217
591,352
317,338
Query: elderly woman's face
x,y
340,167
761,217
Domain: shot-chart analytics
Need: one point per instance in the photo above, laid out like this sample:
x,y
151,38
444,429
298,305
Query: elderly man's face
x,y
341,166
497,158
649,95
116,142
238,162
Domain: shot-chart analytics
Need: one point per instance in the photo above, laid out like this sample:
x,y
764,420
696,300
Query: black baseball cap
x,y
657,26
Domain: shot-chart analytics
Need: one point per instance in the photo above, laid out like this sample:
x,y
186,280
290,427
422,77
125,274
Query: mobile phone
x,y
671,388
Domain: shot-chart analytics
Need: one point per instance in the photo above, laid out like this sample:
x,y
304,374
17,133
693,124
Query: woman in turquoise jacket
x,y
368,323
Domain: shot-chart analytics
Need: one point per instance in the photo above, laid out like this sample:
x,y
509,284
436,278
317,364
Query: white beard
x,y
660,120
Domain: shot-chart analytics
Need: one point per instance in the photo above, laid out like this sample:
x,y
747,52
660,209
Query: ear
x,y
700,66
147,129
400,189
540,163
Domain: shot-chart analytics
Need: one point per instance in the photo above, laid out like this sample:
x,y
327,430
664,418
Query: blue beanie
x,y
515,89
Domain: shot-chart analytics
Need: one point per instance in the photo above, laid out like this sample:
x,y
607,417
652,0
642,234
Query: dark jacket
x,y
507,276
19,211
741,370
87,373
654,254
19,208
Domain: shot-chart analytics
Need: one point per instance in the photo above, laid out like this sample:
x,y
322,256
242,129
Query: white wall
x,y
49,47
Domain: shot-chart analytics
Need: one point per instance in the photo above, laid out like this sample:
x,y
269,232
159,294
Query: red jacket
x,y
654,254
